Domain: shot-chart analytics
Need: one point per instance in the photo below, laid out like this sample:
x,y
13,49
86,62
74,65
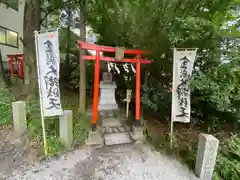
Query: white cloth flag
x,y
47,48
183,61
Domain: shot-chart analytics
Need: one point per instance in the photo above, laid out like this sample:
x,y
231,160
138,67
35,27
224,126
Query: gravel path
x,y
125,162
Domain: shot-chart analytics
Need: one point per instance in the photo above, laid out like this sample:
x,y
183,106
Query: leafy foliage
x,y
156,101
162,25
5,106
81,128
228,161
217,94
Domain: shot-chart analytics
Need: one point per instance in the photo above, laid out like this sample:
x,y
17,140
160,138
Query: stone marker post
x,y
19,118
206,156
66,128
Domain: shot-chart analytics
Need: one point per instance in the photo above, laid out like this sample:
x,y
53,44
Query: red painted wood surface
x,y
96,90
19,60
138,79
110,59
88,46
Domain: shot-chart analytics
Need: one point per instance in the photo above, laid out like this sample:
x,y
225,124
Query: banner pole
x,y
171,134
41,97
172,114
172,119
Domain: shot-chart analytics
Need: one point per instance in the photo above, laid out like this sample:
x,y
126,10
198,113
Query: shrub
x,y
228,161
5,106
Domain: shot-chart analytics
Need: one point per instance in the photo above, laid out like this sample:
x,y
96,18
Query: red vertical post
x,y
20,66
138,93
96,91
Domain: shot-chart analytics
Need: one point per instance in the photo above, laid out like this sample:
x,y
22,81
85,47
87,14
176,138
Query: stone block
x,y
121,129
117,138
108,113
94,139
19,118
107,99
107,78
105,106
108,130
115,130
137,133
127,128
111,122
66,128
206,156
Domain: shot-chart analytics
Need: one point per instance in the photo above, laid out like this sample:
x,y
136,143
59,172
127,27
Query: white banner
x,y
183,61
48,58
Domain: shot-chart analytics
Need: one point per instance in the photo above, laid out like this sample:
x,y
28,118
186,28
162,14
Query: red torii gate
x,y
138,60
19,60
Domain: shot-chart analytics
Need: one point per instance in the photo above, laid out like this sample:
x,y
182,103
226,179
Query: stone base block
x,y
111,122
137,133
117,138
107,107
109,114
94,139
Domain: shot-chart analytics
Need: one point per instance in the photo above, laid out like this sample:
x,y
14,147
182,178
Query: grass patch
x,y
55,146
81,125
5,106
35,129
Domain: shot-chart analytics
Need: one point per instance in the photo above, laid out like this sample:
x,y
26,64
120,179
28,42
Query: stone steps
x,y
114,132
111,122
117,138
120,129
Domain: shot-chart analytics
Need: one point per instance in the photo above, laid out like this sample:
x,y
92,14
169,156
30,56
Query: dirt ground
x,y
14,153
11,157
124,162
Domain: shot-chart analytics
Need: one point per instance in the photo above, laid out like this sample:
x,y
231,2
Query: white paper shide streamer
x,y
47,45
182,71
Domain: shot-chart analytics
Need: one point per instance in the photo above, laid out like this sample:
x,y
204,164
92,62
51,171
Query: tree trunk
x,y
67,60
31,23
2,78
2,84
3,81
82,84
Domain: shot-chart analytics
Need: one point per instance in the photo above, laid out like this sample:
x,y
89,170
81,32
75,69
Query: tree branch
x,y
48,12
22,41
52,9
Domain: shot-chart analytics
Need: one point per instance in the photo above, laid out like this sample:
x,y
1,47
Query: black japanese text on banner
x,y
48,65
182,70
